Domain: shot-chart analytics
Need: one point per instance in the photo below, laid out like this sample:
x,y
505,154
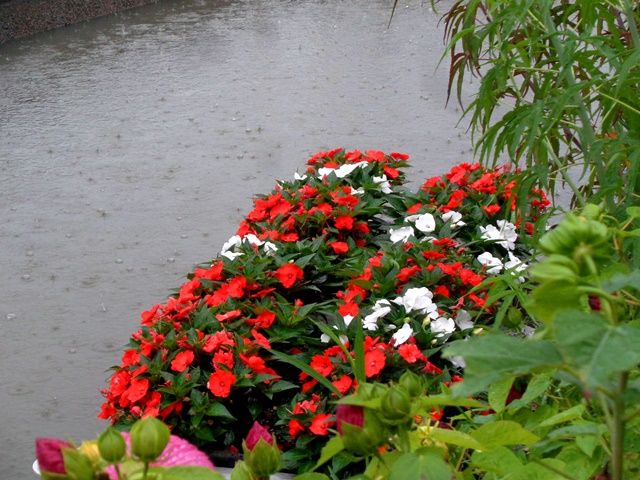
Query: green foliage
x,y
558,90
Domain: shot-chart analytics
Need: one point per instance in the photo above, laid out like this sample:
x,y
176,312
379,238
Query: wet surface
x,y
130,147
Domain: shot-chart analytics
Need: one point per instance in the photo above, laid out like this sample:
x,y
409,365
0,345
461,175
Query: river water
x,y
130,147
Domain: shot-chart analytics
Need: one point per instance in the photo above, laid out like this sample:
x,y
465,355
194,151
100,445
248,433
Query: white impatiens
x,y
342,171
425,222
504,235
229,246
402,335
463,320
442,326
454,217
297,176
383,182
380,309
515,266
401,234
493,264
418,300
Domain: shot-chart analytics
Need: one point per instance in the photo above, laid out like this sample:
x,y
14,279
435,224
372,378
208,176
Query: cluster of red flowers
x,y
331,247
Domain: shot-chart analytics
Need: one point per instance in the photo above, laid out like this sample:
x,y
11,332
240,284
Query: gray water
x,y
130,147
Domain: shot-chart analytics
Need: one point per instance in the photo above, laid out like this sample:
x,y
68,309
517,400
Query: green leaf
x,y
282,385
622,280
595,348
306,369
311,476
185,473
492,357
502,433
500,460
565,416
423,464
330,450
219,410
454,437
498,393
450,401
553,297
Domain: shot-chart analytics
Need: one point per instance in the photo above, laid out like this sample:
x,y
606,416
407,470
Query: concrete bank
x,y
21,18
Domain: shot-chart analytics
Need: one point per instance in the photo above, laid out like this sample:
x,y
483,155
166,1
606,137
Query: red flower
x,y
406,273
469,278
343,384
260,339
410,353
288,274
349,309
295,428
137,390
392,173
223,317
223,357
339,247
442,290
237,286
220,383
374,362
213,273
182,360
375,155
263,320
491,209
344,222
321,364
130,357
215,341
320,424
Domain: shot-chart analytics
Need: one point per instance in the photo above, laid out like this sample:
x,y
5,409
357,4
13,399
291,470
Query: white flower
x,y
252,239
402,335
458,361
515,265
401,234
443,326
297,176
419,300
348,319
494,264
454,217
380,309
505,235
425,222
341,171
463,320
228,245
357,191
385,186
324,338
269,248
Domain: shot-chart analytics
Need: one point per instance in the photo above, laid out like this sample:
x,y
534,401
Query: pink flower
x,y
351,414
256,433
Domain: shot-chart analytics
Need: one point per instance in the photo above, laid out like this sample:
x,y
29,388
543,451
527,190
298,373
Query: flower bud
x,y
111,445
261,453
89,448
149,437
77,465
412,383
396,406
241,471
360,429
256,433
351,414
49,454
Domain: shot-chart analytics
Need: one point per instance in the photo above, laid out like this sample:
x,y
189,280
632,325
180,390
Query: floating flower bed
x,y
338,277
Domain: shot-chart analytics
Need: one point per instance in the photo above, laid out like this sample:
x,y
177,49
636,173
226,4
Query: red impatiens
x,y
220,383
289,274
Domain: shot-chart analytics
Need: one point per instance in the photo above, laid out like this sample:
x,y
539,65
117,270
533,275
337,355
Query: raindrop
x,y
183,236
73,350
247,130
178,189
171,260
11,316
179,218
68,235
29,253
118,260
26,277
129,269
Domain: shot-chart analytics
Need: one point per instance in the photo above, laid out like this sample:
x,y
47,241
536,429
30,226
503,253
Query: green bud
x,y
591,211
77,465
149,437
111,445
396,406
412,383
263,459
241,471
364,440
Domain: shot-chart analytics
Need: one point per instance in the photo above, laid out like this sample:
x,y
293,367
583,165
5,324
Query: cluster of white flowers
x,y
229,246
504,234
342,171
455,218
495,265
425,223
401,234
380,310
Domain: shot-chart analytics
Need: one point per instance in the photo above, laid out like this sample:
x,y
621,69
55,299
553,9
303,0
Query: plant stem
x,y
145,471
617,435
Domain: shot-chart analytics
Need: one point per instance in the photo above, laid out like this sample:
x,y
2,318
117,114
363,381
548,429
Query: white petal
x,y
463,320
494,264
442,326
297,176
401,234
232,242
402,335
252,239
426,223
348,319
231,255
